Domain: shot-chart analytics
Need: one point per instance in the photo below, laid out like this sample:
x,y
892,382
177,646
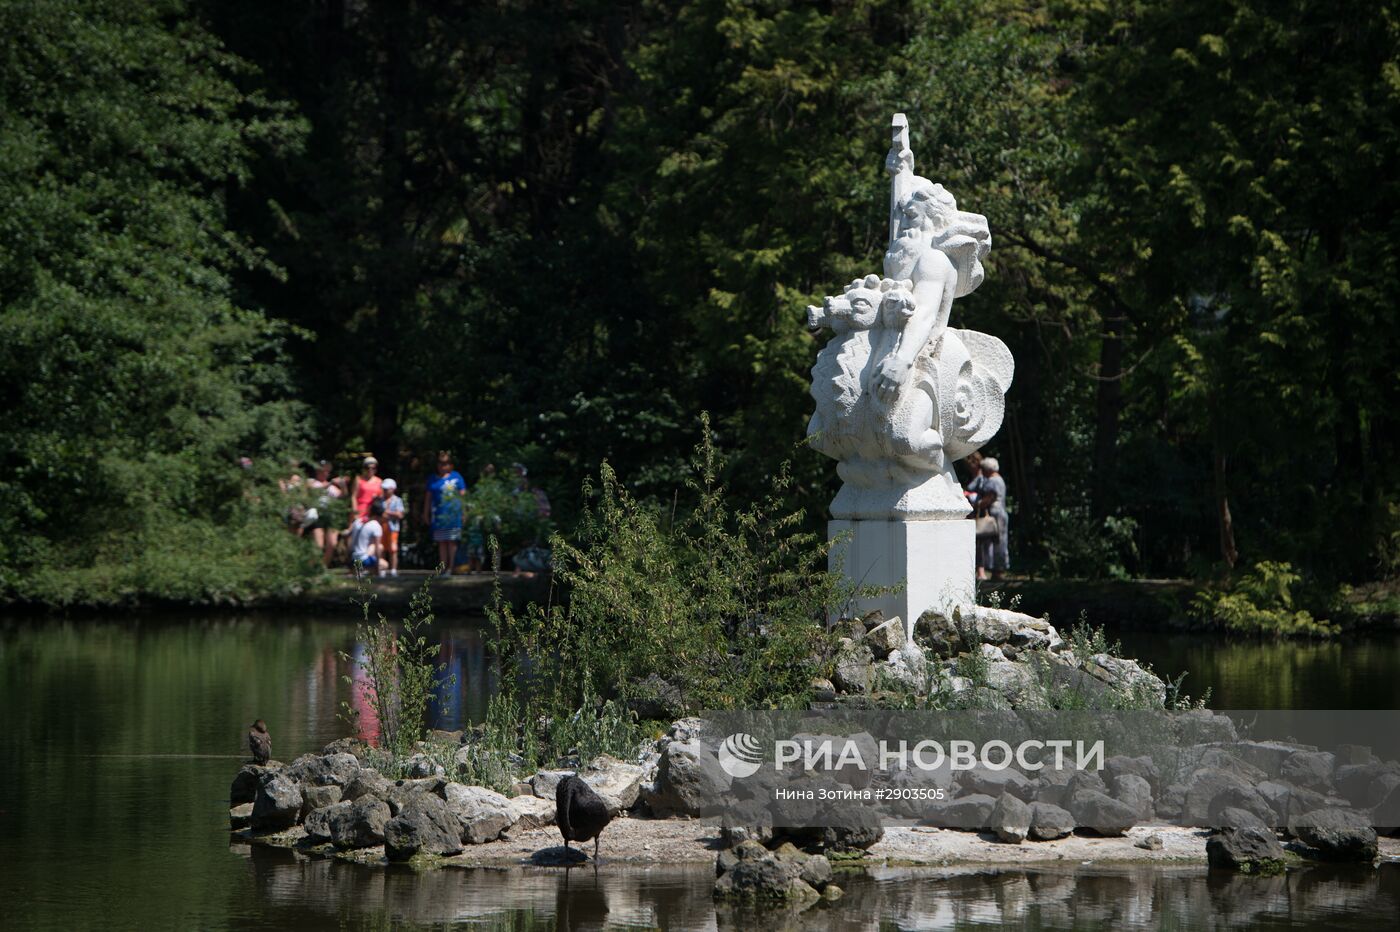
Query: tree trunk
x,y
1108,406
1228,553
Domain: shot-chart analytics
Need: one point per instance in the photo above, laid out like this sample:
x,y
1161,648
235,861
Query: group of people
x,y
366,507
986,493
369,512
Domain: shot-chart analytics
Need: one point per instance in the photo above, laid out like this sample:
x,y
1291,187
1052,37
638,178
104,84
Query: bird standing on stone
x,y
580,813
260,742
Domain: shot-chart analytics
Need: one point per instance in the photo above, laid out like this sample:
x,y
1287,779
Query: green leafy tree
x,y
132,381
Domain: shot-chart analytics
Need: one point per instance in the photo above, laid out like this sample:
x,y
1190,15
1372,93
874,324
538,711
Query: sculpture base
x,y
938,560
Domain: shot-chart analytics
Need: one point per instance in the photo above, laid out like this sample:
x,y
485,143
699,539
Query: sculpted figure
x,y
899,395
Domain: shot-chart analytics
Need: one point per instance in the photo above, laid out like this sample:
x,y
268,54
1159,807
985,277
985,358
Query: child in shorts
x,y
394,510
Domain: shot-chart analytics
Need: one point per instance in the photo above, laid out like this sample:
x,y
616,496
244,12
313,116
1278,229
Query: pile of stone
x,y
780,875
332,798
1026,660
1255,796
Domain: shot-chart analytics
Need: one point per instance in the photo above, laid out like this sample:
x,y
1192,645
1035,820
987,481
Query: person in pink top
x,y
366,487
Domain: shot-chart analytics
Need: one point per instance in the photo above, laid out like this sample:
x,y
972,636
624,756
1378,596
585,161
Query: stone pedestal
x,y
937,560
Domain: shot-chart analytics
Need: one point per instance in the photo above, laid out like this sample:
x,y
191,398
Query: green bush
x,y
722,607
1260,602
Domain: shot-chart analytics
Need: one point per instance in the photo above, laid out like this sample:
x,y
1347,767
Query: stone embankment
x,y
1220,800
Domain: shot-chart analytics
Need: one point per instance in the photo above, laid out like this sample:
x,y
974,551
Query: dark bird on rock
x,y
580,813
260,742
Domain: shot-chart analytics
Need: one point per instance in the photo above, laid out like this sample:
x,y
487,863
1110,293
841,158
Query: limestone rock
x,y
360,824
885,637
240,816
689,781
854,668
1143,767
617,782
996,782
1049,822
1101,814
1248,850
1336,834
1149,843
318,822
545,782
1013,632
1311,769
1245,798
324,769
422,765
483,814
276,805
318,797
367,783
968,812
1011,819
244,788
754,874
425,826
1136,793
529,812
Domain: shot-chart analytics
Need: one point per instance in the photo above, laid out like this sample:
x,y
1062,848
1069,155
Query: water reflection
x,y
121,737
311,892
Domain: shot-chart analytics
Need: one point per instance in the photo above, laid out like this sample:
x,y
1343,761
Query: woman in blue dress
x,y
443,509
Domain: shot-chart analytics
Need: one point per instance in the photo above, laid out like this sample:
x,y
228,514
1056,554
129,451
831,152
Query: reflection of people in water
x,y
445,709
361,699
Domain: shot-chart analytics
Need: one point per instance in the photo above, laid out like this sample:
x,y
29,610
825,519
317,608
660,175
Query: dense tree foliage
x,y
557,232
133,383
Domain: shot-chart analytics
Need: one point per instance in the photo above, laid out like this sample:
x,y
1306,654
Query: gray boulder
x,y
244,788
689,781
361,824
425,826
968,812
1230,817
1336,834
318,822
1143,767
1136,793
1049,822
816,871
885,637
545,782
318,797
1311,769
1247,850
276,805
995,782
1011,819
617,782
854,667
240,816
324,769
1101,814
949,635
483,814
1201,790
1246,798
367,783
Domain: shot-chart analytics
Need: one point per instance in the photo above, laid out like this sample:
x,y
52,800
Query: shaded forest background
x,y
557,232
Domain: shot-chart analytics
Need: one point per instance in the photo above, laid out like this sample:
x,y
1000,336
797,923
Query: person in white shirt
x,y
366,541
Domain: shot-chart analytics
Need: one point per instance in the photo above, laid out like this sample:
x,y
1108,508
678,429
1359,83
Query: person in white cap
x,y
394,510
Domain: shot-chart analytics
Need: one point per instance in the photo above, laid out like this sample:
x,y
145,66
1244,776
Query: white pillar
x,y
934,561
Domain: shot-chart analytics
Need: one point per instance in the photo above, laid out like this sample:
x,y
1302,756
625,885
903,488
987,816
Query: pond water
x,y
120,738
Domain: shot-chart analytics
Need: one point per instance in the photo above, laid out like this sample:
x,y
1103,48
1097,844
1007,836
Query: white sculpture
x,y
900,396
